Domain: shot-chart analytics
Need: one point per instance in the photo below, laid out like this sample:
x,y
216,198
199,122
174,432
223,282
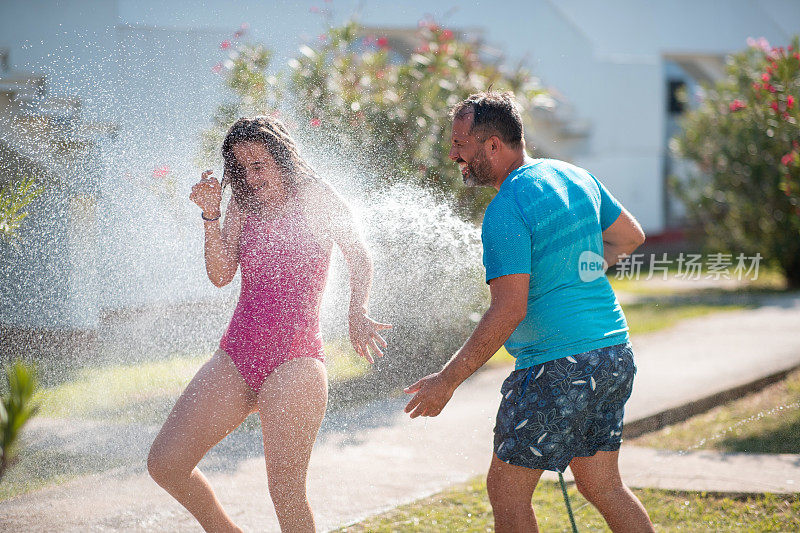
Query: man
x,y
563,404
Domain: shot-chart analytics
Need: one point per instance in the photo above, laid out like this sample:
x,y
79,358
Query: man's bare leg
x,y
510,491
597,478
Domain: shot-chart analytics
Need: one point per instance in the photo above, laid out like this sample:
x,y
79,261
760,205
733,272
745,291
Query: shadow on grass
x,y
783,439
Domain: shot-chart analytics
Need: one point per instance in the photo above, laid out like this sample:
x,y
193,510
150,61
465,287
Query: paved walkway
x,y
374,458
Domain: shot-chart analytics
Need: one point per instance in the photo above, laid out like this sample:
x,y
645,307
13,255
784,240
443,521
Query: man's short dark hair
x,y
493,113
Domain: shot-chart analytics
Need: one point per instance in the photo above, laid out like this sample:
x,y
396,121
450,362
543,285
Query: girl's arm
x,y
221,243
339,225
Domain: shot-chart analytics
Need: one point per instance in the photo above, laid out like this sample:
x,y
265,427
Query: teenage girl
x,y
280,227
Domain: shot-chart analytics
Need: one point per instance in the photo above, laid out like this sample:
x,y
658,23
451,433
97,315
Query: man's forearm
x,y
489,336
612,253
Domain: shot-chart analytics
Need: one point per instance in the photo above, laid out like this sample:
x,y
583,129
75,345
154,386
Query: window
x,y
676,94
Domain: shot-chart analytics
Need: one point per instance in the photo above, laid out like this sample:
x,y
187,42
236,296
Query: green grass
x,y
767,421
145,392
647,317
343,362
34,470
465,508
112,391
769,279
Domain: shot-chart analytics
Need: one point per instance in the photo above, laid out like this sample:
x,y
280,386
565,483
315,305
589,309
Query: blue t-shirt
x,y
547,220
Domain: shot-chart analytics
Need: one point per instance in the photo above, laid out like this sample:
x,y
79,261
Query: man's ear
x,y
494,144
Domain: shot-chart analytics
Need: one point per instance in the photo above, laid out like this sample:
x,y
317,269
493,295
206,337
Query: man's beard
x,y
479,173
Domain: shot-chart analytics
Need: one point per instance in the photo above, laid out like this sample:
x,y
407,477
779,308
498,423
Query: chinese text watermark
x,y
716,266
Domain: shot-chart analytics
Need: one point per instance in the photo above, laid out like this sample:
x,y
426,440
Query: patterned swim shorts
x,y
565,408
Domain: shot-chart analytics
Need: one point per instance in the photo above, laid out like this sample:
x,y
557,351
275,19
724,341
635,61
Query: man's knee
x,y
504,495
494,486
597,488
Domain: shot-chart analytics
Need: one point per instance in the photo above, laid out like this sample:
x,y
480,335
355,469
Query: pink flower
x,y
224,45
736,105
774,106
161,172
383,43
765,77
216,69
446,35
315,122
788,158
756,86
790,101
322,37
380,74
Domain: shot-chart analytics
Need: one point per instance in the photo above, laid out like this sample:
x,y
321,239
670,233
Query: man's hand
x,y
432,394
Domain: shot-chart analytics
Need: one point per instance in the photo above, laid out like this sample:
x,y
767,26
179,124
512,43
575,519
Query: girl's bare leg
x,y
215,402
597,478
291,404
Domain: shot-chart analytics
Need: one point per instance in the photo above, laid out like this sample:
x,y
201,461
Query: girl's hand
x,y
207,194
364,335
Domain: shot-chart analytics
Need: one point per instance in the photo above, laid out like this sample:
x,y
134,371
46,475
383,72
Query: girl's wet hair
x,y
275,137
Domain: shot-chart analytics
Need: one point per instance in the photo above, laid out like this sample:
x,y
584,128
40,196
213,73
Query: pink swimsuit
x,y
284,270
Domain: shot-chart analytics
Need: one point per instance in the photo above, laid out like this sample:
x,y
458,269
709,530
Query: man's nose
x,y
453,155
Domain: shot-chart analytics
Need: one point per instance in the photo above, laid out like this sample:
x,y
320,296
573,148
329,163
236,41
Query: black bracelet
x,y
209,219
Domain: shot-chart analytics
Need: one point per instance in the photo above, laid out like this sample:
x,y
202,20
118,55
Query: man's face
x,y
470,154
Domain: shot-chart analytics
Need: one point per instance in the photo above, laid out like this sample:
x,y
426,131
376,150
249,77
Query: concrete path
x,y
373,458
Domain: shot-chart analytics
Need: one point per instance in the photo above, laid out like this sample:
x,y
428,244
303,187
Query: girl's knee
x,y
287,493
158,466
164,468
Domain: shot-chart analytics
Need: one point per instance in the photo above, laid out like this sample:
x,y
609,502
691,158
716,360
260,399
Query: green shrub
x,y
745,141
392,105
16,409
386,109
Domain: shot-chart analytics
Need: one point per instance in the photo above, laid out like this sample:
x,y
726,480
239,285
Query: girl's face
x,y
261,172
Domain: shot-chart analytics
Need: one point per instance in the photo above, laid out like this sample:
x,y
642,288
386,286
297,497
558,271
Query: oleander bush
x,y
744,139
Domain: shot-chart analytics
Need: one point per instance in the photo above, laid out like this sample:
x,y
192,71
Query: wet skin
x,y
469,152
261,172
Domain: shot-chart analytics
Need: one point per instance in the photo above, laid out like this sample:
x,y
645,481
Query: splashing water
x,y
107,288
743,422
